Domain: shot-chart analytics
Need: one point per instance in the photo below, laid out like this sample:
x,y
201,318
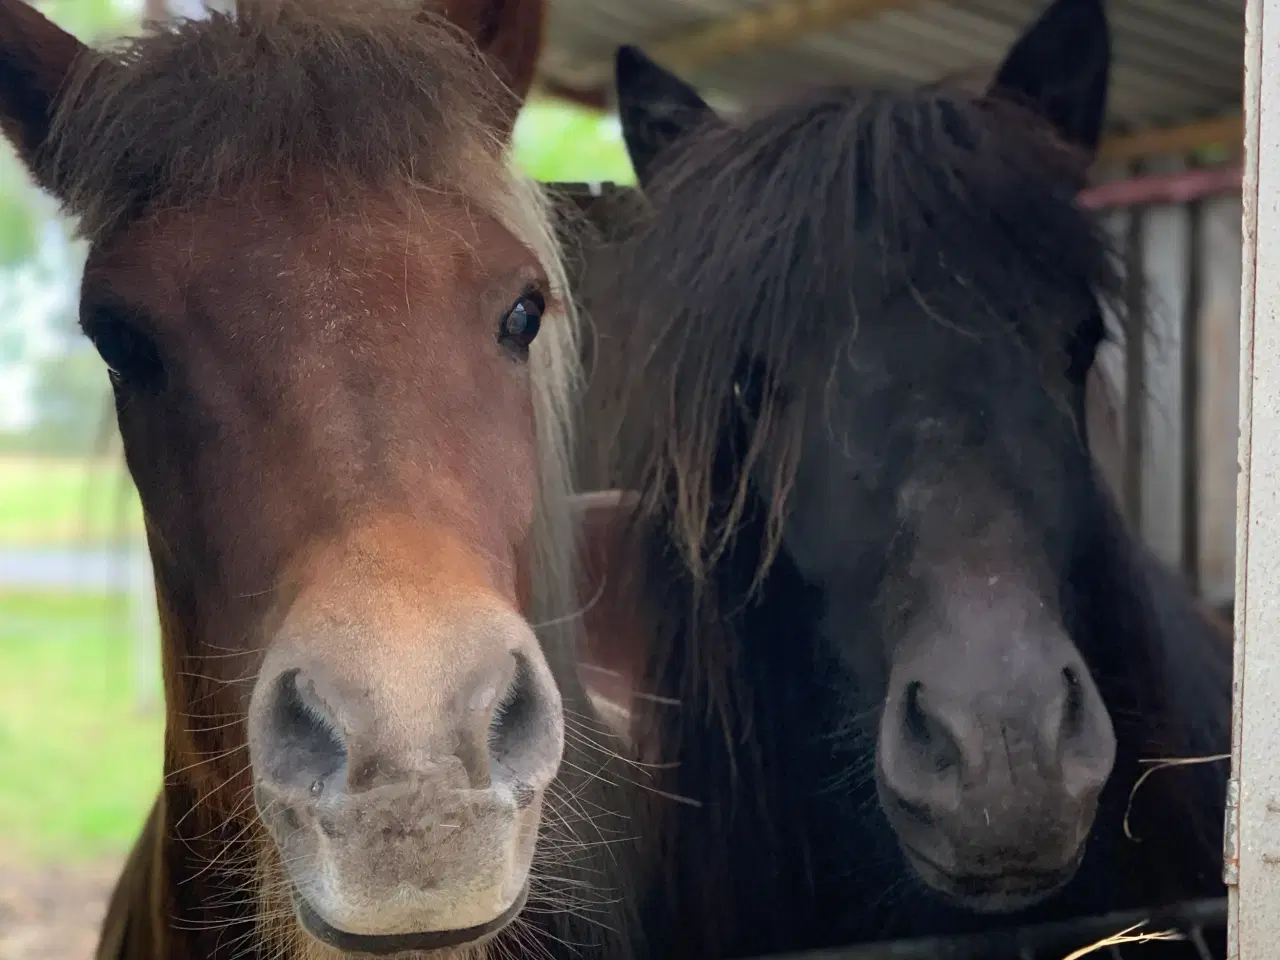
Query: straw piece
x,y
1129,935
1157,765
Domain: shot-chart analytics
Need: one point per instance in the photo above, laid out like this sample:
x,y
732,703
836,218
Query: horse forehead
x,y
376,254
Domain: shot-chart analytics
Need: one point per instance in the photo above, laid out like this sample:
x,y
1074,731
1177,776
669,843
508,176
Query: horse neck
x,y
191,883
1167,684
130,930
587,865
172,899
733,732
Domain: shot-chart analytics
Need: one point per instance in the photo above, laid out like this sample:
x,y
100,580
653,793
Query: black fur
x,y
832,300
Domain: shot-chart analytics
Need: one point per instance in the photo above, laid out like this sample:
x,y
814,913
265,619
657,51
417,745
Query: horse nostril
x,y
1073,706
922,764
926,732
520,746
914,810
917,724
302,744
514,724
1079,736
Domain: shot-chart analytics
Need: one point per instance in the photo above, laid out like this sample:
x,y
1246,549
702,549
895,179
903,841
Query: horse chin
x,y
405,868
996,893
397,944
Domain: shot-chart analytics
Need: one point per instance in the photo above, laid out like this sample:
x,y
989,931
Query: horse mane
x,y
355,97
1183,671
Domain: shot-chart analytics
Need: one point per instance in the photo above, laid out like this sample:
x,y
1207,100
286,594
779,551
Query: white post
x,y
1252,864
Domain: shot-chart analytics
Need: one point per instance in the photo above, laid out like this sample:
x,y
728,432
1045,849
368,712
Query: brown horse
x,y
317,284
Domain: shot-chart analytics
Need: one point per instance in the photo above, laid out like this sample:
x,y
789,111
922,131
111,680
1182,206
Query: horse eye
x,y
130,355
521,323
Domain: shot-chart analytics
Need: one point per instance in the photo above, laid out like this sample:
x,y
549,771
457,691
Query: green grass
x,y
48,501
79,766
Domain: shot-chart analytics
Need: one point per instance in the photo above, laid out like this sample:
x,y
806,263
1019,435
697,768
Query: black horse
x,y
904,661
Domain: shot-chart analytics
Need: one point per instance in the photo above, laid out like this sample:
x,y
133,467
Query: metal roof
x,y
1175,60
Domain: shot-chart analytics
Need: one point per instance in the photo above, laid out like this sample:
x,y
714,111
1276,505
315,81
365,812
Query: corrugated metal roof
x,y
1174,59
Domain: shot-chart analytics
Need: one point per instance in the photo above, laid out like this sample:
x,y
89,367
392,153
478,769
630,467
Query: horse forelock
x,y
366,96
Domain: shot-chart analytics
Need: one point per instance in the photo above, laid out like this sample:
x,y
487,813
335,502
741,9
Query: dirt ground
x,y
51,911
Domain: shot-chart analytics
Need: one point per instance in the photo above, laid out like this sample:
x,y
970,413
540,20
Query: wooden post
x,y
1252,854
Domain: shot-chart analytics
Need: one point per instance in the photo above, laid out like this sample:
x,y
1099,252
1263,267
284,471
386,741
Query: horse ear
x,y
655,108
1061,68
37,58
509,33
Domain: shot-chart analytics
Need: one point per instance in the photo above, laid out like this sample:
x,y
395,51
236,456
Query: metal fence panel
x,y
1050,941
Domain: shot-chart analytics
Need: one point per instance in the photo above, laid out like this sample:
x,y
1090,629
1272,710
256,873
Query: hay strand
x,y
1154,766
1129,935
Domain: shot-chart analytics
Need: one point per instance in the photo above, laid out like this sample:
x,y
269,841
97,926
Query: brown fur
x,y
351,93
511,34
305,211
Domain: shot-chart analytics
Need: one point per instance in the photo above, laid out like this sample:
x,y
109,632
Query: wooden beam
x,y
747,32
1226,131
769,26
786,20
1185,138
1168,188
595,98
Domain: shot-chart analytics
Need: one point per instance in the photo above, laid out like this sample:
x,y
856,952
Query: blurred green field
x,y
78,766
47,501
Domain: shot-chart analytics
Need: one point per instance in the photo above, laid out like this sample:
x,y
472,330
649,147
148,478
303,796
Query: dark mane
x,y
947,180
356,94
